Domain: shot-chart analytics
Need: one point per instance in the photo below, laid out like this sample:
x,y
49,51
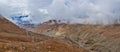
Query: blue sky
x,y
75,11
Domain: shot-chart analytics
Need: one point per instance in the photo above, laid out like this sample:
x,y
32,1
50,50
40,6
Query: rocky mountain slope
x,y
15,39
97,38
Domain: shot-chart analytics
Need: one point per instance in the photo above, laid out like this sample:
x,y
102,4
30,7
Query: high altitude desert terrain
x,y
59,37
15,39
97,38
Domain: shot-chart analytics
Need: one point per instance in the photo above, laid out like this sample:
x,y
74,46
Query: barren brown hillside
x,y
96,38
14,39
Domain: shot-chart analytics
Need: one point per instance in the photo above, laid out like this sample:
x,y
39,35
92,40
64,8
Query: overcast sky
x,y
75,11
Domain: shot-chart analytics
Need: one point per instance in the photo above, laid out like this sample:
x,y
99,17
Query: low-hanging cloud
x,y
75,11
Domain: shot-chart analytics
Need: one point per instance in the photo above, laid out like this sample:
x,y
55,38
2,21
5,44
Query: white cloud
x,y
77,11
44,11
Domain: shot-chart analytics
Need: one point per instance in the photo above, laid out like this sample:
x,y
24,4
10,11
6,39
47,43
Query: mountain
x,y
97,38
15,39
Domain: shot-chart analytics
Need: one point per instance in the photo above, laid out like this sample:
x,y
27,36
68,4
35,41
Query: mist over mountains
x,y
75,11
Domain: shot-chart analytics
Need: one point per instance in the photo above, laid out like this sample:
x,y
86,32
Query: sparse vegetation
x,y
90,41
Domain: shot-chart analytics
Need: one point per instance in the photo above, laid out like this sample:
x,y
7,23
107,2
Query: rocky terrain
x,y
97,38
15,39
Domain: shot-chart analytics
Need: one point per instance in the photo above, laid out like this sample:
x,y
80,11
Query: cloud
x,y
75,11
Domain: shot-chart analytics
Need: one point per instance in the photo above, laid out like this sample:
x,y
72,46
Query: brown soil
x,y
98,38
15,39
